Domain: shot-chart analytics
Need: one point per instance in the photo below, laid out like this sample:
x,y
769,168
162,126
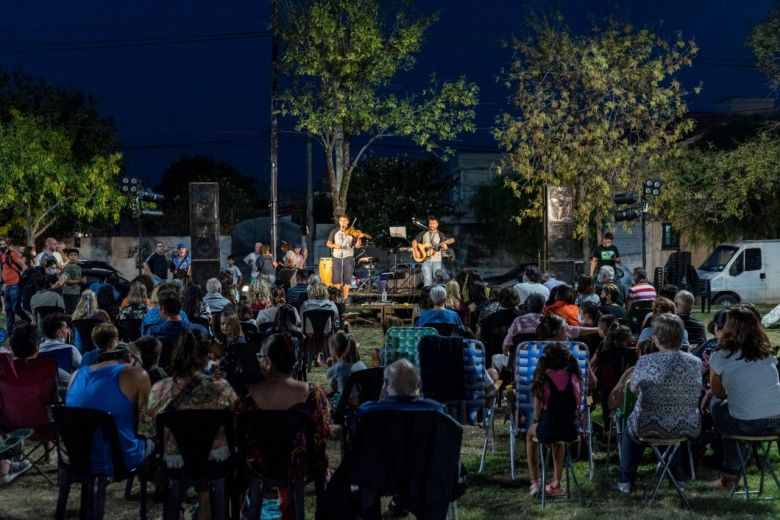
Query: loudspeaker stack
x,y
204,231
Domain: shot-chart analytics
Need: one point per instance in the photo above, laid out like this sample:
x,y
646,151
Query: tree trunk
x,y
28,225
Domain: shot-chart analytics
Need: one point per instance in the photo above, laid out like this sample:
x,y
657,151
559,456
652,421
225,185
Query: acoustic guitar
x,y
425,250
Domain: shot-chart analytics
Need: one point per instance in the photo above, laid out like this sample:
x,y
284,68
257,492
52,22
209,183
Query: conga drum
x,y
326,270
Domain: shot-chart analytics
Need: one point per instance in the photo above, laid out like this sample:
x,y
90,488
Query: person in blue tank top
x,y
112,385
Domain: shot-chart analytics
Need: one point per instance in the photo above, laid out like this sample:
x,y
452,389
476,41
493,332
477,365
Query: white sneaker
x,y
16,469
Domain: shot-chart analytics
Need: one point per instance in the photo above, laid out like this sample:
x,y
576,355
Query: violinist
x,y
343,241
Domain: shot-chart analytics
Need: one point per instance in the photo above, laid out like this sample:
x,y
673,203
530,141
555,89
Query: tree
x,y
497,209
591,110
43,182
238,198
381,195
765,42
342,56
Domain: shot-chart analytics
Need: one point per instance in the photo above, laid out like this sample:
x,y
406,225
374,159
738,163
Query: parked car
x,y
745,271
102,272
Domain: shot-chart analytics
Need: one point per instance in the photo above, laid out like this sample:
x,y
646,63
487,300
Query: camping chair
x,y
62,356
636,315
367,384
401,342
77,430
27,388
442,329
413,455
129,329
619,417
194,432
762,445
84,328
268,440
526,359
322,326
42,312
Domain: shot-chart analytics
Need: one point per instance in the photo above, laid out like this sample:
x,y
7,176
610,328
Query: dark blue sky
x,y
192,77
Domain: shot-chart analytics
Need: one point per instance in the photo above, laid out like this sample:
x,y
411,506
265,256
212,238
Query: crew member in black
x,y
156,265
605,254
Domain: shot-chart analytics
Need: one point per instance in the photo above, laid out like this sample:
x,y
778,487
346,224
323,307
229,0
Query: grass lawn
x,y
491,495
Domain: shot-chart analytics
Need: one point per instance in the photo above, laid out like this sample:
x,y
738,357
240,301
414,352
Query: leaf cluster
x,y
590,110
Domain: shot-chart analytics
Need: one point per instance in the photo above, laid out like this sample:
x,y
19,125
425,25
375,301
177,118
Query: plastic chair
x,y
322,326
27,388
84,328
194,432
762,445
77,429
526,358
636,316
270,437
129,328
401,342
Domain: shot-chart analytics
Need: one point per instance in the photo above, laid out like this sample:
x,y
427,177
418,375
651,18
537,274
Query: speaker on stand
x,y
204,231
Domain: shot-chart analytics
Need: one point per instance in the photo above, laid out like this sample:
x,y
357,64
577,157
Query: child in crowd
x,y
105,337
378,354
149,349
346,360
556,391
73,281
234,271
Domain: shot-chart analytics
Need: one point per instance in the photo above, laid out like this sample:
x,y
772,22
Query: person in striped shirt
x,y
642,290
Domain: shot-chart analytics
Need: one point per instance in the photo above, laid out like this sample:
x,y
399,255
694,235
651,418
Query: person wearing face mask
x,y
12,271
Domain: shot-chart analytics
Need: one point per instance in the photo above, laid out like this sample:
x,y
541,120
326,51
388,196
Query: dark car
x,y
101,272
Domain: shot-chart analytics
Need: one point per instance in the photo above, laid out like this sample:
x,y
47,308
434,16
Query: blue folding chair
x,y
526,358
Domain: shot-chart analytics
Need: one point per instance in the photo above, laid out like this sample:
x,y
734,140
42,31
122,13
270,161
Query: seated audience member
x,y
286,320
280,391
105,337
528,322
152,316
453,301
114,386
25,344
245,314
705,350
642,290
150,348
617,353
172,326
508,311
401,391
214,298
605,275
378,354
259,294
136,307
684,300
55,333
318,300
668,291
662,306
438,314
192,304
346,360
586,292
618,393
556,390
188,388
146,281
226,288
492,305
107,302
297,294
268,314
668,387
610,295
744,388
563,305
232,336
550,281
530,283
337,297
45,297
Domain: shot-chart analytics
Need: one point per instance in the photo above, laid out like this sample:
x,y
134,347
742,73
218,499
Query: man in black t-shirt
x,y
156,265
605,254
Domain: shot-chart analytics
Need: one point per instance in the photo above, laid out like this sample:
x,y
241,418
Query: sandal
x,y
534,488
725,481
557,491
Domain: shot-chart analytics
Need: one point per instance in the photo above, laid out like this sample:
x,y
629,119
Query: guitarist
x,y
436,240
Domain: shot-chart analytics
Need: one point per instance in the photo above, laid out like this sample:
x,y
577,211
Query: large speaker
x,y
204,221
202,270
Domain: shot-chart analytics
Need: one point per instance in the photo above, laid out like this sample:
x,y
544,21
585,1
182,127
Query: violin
x,y
356,233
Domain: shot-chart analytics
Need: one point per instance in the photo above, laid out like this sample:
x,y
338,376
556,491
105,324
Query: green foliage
x,y
590,111
765,42
715,195
342,56
43,181
497,209
391,191
238,198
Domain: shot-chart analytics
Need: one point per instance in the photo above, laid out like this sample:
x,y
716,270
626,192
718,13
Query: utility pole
x,y
309,200
274,124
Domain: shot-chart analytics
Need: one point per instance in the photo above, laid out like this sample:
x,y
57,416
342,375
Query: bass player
x,y
431,243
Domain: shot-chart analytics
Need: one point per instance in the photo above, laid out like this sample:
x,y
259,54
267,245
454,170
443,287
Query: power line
x,y
129,43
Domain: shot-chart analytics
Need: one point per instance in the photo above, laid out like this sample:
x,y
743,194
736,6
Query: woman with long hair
x,y
259,294
556,389
192,303
136,307
268,314
189,388
744,387
279,390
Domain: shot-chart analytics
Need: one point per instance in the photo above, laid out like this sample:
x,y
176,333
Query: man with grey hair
x,y
213,297
401,390
438,314
684,301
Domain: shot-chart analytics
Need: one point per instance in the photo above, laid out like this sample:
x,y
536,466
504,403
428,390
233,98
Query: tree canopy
x,y
382,194
43,181
765,42
590,111
238,198
342,57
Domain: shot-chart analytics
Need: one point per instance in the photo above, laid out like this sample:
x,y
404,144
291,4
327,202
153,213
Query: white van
x,y
745,271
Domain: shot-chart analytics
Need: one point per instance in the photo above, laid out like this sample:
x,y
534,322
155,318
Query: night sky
x,y
193,77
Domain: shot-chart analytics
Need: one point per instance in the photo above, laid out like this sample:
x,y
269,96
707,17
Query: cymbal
x,y
368,260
